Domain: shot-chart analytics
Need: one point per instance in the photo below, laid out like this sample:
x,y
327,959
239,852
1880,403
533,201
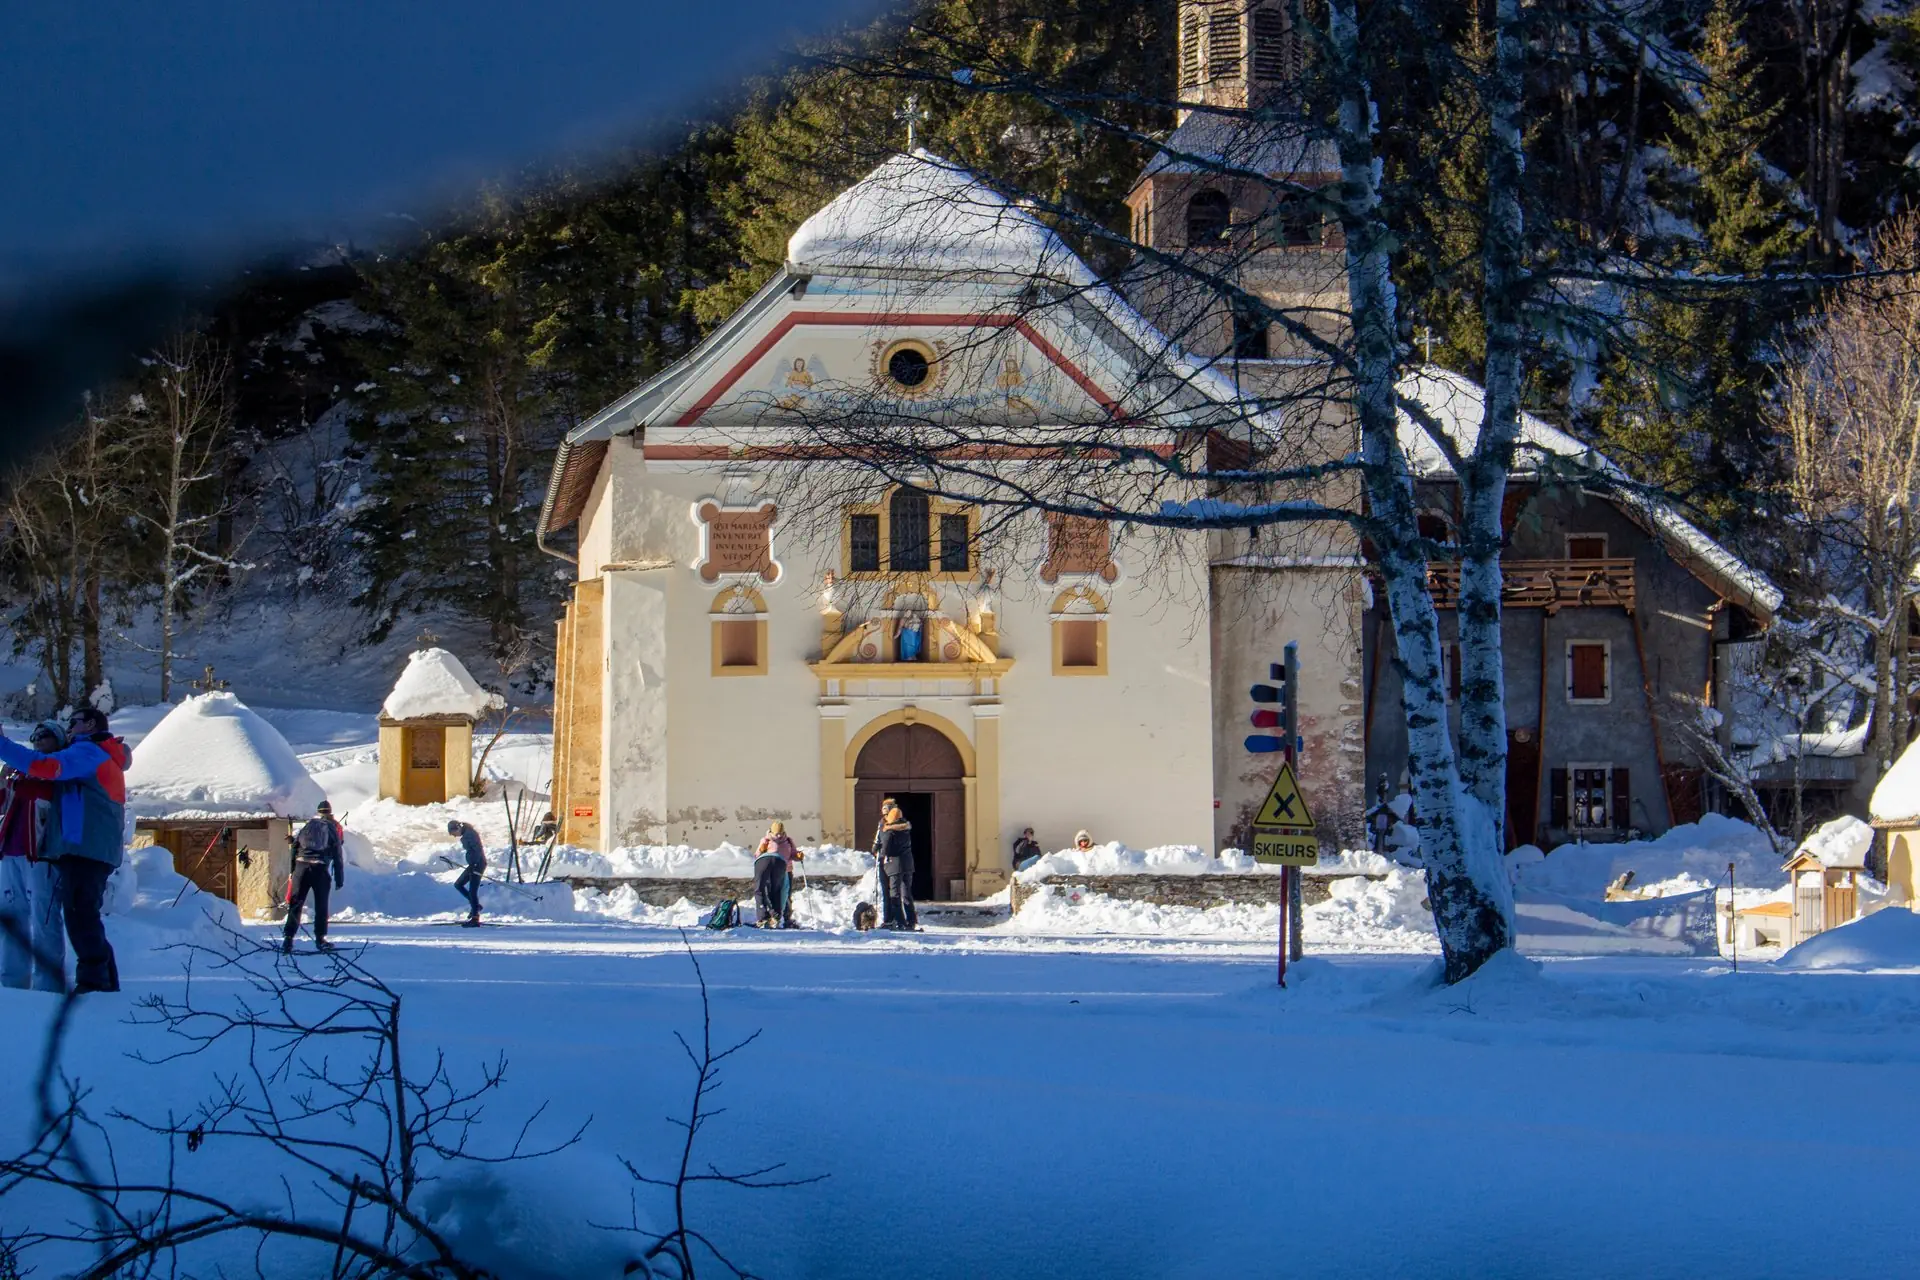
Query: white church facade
x,y
757,633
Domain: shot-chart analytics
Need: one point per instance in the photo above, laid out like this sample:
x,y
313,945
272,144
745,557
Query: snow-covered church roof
x,y
435,684
1454,406
214,757
922,212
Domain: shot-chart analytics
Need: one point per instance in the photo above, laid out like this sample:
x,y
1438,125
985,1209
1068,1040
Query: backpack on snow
x,y
726,914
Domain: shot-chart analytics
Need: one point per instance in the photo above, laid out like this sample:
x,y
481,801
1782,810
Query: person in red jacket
x,y
91,814
33,951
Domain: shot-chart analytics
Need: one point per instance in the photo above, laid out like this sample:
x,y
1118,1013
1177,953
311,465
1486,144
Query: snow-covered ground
x,y
1093,1087
988,1104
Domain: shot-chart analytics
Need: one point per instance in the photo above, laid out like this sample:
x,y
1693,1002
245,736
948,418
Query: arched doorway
x,y
919,767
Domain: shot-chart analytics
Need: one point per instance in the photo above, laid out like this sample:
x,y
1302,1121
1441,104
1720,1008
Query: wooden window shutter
x,y
1557,789
1586,671
1622,800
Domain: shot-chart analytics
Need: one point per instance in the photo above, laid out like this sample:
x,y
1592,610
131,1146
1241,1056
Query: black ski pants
x,y
897,877
82,890
309,877
770,890
469,886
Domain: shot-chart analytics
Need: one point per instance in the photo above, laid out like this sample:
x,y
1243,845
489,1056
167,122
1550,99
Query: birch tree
x,y
178,428
1851,413
64,548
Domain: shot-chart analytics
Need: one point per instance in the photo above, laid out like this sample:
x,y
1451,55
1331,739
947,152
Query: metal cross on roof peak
x,y
208,683
912,114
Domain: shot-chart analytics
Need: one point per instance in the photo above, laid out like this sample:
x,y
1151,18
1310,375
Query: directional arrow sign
x,y
1261,743
1264,693
1265,719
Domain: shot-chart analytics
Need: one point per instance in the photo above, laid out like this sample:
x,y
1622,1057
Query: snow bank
x,y
213,755
1361,915
435,684
1897,797
425,895
150,905
1887,939
1842,842
1686,859
1116,859
685,862
1677,925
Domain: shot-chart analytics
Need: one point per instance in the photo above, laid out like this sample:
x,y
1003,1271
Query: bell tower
x,y
1237,53
1239,72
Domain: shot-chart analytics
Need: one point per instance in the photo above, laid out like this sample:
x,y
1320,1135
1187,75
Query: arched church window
x,y
1209,215
909,539
1299,225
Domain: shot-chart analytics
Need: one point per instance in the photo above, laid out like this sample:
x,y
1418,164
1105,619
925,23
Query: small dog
x,y
865,918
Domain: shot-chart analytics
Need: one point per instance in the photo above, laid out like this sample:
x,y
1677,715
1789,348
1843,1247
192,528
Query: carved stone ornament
x,y
736,541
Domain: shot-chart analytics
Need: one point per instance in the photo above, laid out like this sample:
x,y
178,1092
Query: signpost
x,y
1283,834
1283,826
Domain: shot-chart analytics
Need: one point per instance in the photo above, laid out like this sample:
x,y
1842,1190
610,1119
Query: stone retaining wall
x,y
1188,891
664,891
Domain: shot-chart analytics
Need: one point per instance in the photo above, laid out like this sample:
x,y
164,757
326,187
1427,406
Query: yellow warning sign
x,y
1285,808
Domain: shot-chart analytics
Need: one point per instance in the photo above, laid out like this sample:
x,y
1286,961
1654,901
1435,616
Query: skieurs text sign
x,y
1283,827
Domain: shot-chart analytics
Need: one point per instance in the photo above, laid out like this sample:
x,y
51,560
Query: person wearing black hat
x,y
469,882
318,856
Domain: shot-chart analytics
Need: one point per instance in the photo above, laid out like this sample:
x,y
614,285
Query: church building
x,y
763,627
739,648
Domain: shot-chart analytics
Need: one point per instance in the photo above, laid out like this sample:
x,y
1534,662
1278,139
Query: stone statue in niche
x,y
909,633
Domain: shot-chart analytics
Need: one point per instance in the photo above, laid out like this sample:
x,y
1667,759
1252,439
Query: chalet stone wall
x,y
665,891
1186,891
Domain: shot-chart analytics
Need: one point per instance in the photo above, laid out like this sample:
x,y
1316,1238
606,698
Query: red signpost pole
x,y
1286,895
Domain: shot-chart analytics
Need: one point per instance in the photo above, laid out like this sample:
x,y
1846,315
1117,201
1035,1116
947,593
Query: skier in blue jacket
x,y
469,882
91,842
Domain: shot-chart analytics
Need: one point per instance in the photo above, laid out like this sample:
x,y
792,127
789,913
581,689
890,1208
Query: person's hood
x,y
116,748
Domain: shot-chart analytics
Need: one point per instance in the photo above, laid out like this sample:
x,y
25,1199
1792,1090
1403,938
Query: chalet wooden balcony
x,y
1546,584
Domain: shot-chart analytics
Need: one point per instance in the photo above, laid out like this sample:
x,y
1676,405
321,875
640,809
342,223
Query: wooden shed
x,y
426,730
220,789
1824,875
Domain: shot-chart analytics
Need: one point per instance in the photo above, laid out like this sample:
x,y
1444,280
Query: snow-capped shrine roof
x,y
1454,405
1896,800
435,684
922,212
213,758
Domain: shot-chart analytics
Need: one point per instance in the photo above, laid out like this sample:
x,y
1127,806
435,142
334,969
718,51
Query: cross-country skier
x,y
92,811
33,950
469,882
319,854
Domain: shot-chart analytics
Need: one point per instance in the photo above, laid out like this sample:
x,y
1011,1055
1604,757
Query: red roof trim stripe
x,y
796,318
